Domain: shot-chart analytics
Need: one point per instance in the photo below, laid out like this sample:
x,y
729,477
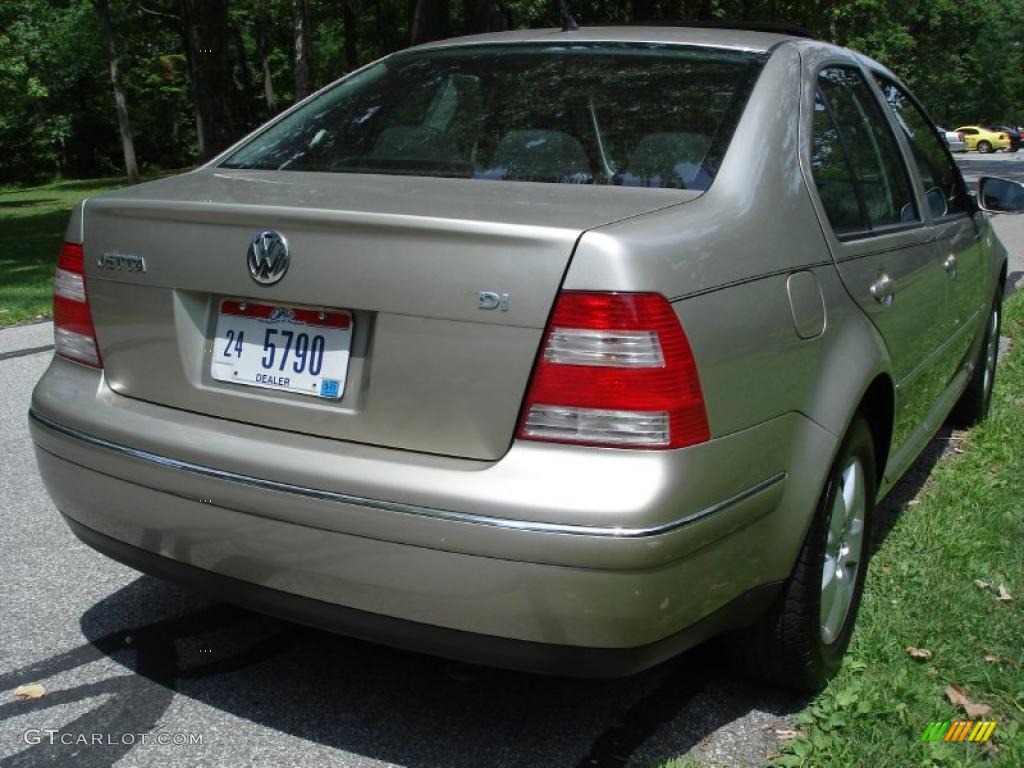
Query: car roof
x,y
715,37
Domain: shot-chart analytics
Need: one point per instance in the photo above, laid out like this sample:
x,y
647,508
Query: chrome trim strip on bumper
x,y
409,509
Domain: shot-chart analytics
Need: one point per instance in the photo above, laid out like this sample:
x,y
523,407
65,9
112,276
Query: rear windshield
x,y
626,115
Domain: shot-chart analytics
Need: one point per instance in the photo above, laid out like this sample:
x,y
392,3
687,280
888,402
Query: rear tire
x,y
800,642
984,147
974,403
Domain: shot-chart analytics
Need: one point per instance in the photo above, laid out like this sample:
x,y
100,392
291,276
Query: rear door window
x,y
857,164
942,182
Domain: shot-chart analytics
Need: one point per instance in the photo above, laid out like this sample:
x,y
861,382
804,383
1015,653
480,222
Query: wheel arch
x,y
878,407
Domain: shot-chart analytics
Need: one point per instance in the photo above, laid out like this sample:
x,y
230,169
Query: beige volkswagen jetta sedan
x,y
560,351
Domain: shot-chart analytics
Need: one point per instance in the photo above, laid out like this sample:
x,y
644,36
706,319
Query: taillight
x,y
615,370
73,333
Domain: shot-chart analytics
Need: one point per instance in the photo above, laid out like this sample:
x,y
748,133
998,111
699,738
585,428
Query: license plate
x,y
285,348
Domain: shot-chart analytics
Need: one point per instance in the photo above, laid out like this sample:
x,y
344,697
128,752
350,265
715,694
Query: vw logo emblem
x,y
268,257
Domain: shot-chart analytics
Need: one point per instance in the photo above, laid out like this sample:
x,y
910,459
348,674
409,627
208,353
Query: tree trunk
x,y
642,10
120,103
428,22
300,17
348,20
248,87
263,54
484,16
207,37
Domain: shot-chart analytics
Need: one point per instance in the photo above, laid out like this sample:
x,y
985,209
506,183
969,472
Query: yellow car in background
x,y
983,139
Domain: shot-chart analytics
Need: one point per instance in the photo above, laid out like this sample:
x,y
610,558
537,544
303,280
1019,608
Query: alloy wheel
x,y
843,549
991,353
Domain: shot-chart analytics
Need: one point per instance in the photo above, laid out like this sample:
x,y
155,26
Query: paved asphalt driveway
x,y
132,665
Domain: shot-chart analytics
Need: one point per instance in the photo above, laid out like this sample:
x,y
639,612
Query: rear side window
x,y
857,164
616,114
944,190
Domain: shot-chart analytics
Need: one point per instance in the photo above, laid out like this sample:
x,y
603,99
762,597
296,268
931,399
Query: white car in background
x,y
954,139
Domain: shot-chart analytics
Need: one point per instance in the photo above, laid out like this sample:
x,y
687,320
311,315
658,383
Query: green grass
x,y
967,523
32,222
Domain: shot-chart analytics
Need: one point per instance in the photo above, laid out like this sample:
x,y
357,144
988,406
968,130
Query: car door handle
x,y
950,265
882,290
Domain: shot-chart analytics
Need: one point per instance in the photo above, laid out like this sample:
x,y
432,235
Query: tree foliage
x,y
198,74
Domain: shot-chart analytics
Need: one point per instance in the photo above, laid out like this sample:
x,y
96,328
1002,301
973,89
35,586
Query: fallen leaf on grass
x,y
982,584
31,691
1004,595
959,698
887,568
919,653
990,658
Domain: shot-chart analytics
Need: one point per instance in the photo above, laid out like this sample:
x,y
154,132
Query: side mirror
x,y
997,195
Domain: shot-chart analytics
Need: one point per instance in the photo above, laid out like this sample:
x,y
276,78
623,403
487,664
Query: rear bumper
x,y
546,658
671,540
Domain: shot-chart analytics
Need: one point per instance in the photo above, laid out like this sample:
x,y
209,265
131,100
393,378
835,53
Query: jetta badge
x,y
126,262
268,257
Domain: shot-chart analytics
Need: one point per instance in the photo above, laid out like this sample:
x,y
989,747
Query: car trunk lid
x,y
429,368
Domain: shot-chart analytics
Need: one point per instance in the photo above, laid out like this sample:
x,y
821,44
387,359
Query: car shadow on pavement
x,y
370,700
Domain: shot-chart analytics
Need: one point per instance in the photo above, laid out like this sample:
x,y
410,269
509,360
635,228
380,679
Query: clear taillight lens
x,y
615,370
73,333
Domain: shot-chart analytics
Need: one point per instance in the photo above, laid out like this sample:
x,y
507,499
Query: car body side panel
x,y
968,286
959,248
914,324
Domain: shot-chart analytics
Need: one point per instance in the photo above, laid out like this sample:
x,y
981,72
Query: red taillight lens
x,y
73,333
615,370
